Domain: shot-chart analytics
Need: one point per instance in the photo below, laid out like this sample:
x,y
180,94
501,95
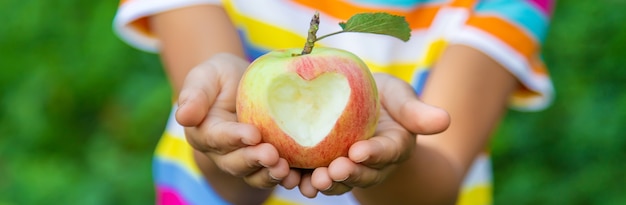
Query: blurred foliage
x,y
76,132
575,151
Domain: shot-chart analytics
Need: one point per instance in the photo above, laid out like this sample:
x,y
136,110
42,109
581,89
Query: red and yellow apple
x,y
311,107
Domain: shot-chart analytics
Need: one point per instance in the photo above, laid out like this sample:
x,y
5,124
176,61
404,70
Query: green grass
x,y
81,111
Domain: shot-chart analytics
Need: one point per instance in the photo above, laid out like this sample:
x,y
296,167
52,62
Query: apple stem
x,y
312,37
327,35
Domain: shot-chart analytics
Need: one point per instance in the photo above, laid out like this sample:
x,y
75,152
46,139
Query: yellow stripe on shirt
x,y
177,149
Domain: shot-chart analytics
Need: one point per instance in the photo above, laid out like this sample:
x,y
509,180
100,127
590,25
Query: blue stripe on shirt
x,y
520,12
251,51
419,80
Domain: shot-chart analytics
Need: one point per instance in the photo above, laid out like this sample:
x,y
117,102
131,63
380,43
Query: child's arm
x,y
474,90
190,35
203,37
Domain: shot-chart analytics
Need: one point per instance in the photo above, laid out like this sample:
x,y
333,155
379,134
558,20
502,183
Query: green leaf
x,y
378,23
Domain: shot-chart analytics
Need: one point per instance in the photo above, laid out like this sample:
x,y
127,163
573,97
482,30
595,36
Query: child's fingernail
x,y
344,179
182,102
329,187
184,97
273,178
362,159
246,141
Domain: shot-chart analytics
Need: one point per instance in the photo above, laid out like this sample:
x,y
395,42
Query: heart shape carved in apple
x,y
307,110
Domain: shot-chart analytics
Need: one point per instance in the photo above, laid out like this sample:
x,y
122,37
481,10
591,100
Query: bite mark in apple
x,y
307,110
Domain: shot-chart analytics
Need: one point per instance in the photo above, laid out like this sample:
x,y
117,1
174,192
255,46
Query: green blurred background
x,y
81,111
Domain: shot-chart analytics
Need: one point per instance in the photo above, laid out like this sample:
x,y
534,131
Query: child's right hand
x,y
206,108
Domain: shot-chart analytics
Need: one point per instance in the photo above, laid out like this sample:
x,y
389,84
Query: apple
x,y
311,107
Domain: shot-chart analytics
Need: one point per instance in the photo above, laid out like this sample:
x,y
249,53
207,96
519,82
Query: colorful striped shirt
x,y
509,31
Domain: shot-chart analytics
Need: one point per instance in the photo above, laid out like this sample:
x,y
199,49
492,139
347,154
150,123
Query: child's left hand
x,y
369,162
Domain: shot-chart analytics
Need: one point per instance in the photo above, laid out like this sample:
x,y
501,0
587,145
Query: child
x,y
472,58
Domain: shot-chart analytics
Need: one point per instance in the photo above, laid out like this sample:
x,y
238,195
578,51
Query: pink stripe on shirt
x,y
169,196
544,6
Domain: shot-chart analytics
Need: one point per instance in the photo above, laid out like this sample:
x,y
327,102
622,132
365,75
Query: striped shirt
x,y
509,31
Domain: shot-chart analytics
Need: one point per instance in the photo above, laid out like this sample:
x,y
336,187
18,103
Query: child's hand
x,y
207,110
371,161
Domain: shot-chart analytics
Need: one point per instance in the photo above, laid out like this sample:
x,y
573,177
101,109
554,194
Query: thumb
x,y
197,95
401,102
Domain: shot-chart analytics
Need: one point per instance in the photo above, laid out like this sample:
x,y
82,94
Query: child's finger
x,y
400,100
346,172
197,95
210,85
269,177
292,180
387,147
391,143
245,161
321,180
221,134
305,186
